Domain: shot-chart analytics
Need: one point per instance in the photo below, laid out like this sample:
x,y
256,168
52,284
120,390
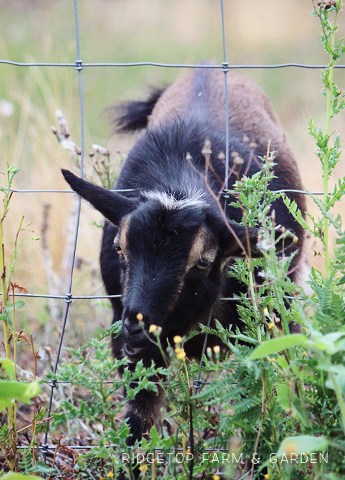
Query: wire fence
x,y
79,65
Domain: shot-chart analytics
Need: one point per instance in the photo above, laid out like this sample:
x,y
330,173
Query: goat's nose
x,y
132,325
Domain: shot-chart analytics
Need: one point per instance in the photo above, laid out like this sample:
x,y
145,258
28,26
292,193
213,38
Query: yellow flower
x,y
152,328
177,339
110,474
109,398
271,325
209,351
304,354
216,349
143,468
181,355
140,317
267,476
215,477
272,359
265,311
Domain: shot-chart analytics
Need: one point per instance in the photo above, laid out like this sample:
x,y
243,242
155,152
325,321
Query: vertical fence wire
x,y
226,179
225,70
68,299
197,384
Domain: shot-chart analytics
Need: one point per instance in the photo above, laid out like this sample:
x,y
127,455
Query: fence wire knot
x,y
225,66
44,448
53,383
79,64
197,384
68,298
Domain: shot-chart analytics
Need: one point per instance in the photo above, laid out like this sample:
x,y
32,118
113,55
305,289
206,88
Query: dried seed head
x,y
234,154
252,145
77,150
188,157
54,130
327,4
91,153
101,150
238,160
207,147
245,138
62,124
221,156
278,324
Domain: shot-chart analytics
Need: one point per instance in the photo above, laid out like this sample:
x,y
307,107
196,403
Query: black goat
x,y
166,248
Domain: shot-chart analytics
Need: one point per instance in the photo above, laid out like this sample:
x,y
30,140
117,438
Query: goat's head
x,y
171,253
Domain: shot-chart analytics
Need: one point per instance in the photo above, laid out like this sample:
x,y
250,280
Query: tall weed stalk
x,y
11,390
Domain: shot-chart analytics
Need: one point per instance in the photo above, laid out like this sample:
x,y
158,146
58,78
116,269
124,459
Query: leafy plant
x,y
11,390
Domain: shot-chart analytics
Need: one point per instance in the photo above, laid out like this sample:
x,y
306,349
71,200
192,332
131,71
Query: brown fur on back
x,y
250,113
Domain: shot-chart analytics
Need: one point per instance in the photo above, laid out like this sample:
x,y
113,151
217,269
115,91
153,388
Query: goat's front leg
x,y
142,413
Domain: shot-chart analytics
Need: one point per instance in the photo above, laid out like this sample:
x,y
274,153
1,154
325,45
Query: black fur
x,y
153,274
133,116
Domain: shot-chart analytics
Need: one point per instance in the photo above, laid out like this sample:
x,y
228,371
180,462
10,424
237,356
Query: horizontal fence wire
x,y
110,382
69,297
117,190
79,65
138,190
90,447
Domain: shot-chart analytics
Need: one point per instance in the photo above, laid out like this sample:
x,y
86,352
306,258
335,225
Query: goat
x,y
166,246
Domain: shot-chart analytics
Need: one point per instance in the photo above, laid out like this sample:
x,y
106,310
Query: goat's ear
x,y
238,247
112,205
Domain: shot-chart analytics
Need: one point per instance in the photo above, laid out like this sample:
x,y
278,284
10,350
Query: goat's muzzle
x,y
136,341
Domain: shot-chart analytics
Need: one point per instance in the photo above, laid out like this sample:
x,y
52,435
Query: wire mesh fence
x,y
79,65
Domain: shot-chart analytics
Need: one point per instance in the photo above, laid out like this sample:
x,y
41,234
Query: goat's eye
x,y
119,250
202,264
